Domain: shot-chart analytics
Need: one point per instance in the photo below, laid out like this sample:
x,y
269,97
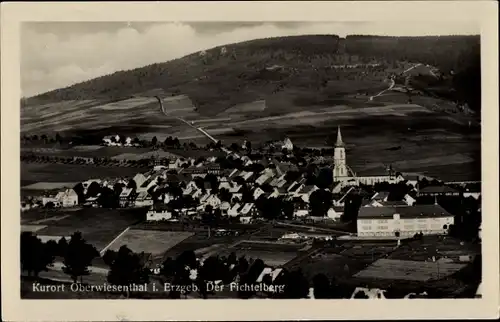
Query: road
x,y
393,83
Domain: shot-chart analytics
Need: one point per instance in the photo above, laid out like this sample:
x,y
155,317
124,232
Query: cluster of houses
x,y
116,140
378,216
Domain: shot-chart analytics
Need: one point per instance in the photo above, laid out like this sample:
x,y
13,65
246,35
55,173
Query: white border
x,y
483,12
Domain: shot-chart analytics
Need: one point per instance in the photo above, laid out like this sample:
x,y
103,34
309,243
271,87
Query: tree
x,y
78,257
296,285
132,185
93,190
126,267
62,246
35,255
58,138
319,202
321,286
154,141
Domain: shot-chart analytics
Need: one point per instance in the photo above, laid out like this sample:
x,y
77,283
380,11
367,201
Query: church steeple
x,y
339,142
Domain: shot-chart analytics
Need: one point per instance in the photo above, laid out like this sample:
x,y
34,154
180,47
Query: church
x,y
344,176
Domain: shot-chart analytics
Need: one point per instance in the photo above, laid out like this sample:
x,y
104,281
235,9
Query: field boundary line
x,y
116,238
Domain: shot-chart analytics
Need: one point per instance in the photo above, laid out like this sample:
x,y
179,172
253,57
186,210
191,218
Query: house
x,y
225,185
245,219
472,190
246,175
236,197
158,211
150,182
412,180
127,197
235,210
268,271
249,209
301,209
224,207
437,191
403,221
213,201
409,200
257,193
53,200
196,193
92,201
235,189
139,179
291,236
143,199
67,198
262,179
335,213
305,192
234,174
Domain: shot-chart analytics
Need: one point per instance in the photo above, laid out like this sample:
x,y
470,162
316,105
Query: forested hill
x,y
236,73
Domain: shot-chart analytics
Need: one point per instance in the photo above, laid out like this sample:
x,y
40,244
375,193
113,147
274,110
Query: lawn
x,y
50,185
332,265
49,172
98,226
409,270
156,242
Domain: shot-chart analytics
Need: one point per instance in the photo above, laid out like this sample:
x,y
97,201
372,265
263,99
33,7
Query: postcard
x,y
263,160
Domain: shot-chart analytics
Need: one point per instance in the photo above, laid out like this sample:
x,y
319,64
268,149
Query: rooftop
x,y
418,211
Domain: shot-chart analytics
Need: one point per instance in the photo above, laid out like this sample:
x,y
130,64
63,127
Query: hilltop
x,y
302,71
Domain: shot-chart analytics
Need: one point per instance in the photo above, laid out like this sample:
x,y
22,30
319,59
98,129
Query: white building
x,y
235,210
407,221
143,199
68,198
335,213
287,144
158,212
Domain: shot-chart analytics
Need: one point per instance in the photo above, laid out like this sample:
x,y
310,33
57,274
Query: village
x,y
277,209
244,192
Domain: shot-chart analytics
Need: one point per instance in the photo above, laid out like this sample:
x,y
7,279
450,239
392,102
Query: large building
x,y
403,221
344,176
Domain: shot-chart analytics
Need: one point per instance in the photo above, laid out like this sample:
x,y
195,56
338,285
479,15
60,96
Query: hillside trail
x,y
393,83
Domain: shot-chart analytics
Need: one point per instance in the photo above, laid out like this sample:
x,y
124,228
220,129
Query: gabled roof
x,y
246,208
418,211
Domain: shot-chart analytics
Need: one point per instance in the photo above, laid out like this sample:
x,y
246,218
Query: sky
x,y
60,54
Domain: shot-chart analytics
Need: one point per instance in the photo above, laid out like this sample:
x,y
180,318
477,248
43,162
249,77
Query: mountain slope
x,y
299,70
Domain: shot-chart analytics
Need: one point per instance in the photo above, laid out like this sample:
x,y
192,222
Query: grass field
x,y
32,228
332,265
272,254
34,172
156,242
50,185
409,270
98,226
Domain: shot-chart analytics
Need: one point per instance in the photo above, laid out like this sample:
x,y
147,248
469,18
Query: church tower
x,y
340,172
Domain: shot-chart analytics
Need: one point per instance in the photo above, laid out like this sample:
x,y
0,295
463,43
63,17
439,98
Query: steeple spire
x,y
339,138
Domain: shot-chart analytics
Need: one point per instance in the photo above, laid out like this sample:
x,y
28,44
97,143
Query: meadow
x,y
98,226
155,242
32,173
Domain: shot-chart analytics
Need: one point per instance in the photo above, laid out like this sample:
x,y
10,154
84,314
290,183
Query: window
x,y
382,227
409,227
383,221
367,227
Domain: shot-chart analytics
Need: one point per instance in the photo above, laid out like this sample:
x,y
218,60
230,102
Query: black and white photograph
x,y
222,160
